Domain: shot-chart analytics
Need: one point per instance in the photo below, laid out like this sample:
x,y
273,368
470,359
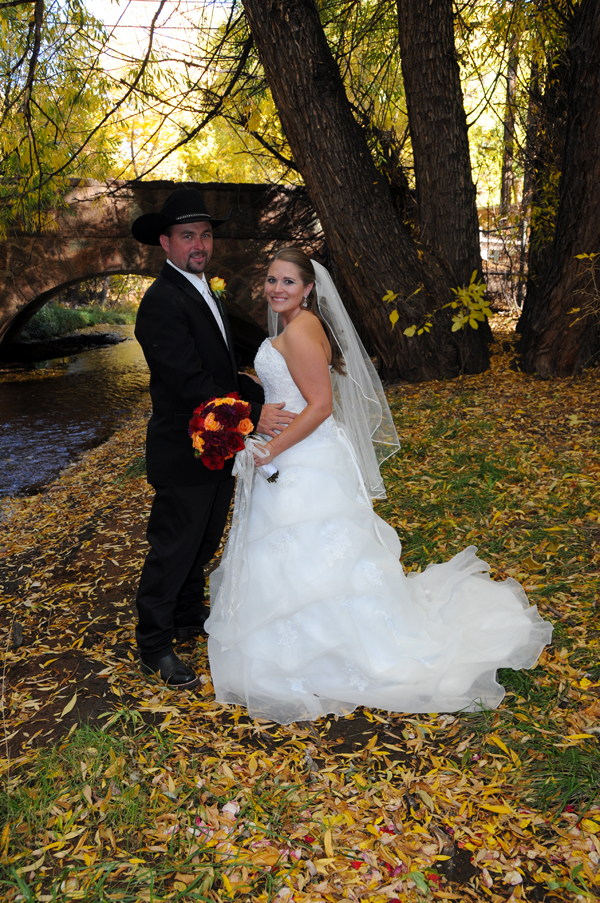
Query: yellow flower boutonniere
x,y
217,286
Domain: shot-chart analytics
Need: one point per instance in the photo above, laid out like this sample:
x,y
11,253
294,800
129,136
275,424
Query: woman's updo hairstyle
x,y
307,273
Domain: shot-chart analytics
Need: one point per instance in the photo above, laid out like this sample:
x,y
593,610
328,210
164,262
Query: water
x,y
46,423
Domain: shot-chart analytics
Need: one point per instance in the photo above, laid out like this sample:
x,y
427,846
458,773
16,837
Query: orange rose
x,y
198,443
211,423
245,427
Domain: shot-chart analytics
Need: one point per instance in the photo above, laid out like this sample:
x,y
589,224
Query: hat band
x,y
192,216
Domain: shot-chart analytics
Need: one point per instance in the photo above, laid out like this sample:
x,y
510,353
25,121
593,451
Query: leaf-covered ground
x,y
119,789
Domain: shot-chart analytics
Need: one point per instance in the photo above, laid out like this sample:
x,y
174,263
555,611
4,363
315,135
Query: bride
x,y
311,611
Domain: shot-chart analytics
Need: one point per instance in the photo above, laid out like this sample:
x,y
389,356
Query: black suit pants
x,y
184,531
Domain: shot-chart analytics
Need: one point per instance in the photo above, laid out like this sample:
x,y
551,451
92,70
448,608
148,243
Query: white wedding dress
x,y
323,618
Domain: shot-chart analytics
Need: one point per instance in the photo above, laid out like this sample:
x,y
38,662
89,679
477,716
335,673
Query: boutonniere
x,y
217,287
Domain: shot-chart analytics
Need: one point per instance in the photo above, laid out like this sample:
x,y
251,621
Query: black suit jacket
x,y
189,363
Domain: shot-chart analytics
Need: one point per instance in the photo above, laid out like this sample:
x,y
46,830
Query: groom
x,y
185,336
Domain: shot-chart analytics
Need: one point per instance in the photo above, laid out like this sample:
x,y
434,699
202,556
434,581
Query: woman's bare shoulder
x,y
305,328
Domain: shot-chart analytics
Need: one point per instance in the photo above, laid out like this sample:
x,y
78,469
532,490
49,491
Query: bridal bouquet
x,y
217,429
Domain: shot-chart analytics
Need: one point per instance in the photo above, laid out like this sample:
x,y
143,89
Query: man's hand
x,y
274,418
255,378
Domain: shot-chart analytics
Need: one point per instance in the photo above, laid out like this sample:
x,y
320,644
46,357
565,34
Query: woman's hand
x,y
259,460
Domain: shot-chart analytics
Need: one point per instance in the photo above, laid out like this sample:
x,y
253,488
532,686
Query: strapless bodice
x,y
278,385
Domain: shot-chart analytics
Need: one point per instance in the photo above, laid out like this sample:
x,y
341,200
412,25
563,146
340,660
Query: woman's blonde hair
x,y
307,273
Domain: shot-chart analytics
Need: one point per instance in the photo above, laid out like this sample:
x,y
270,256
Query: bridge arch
x,y
91,237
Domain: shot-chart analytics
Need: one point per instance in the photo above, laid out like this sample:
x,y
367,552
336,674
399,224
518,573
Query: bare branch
x,y
38,21
212,114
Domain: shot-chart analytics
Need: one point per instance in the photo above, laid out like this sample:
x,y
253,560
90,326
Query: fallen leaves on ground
x,y
119,789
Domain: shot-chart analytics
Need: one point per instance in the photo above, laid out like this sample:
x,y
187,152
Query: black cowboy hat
x,y
184,205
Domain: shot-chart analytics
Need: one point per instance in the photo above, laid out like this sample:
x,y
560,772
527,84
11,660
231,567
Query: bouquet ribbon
x,y
234,566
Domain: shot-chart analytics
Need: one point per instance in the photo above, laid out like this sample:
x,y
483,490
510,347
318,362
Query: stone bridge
x,y
92,237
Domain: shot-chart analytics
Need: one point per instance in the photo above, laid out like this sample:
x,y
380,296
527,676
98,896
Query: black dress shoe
x,y
171,669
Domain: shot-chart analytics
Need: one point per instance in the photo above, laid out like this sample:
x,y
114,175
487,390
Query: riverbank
x,y
170,797
33,352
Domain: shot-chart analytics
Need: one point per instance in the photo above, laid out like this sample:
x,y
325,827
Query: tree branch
x,y
10,3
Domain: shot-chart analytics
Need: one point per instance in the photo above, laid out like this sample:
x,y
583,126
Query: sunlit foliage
x,y
54,94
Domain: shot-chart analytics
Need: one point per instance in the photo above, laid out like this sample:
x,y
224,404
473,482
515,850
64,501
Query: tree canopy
x,y
193,100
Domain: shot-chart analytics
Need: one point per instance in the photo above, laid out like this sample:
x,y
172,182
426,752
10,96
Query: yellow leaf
x,y
33,867
531,564
592,826
499,743
390,295
254,121
394,316
502,810
270,856
4,839
579,736
185,879
426,799
69,706
328,843
410,331
252,765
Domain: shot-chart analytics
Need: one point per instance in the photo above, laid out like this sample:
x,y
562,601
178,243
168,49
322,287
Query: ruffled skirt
x,y
324,618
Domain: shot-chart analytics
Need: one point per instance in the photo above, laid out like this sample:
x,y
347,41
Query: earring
x,y
305,302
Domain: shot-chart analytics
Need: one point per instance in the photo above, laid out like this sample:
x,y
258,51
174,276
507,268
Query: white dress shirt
x,y
200,284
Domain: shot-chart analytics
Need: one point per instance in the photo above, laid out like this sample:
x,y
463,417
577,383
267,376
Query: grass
x,y
515,788
93,787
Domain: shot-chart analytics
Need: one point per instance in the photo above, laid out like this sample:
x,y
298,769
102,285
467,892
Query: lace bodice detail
x,y
276,378
278,384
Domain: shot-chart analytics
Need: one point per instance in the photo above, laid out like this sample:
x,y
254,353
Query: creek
x,y
46,423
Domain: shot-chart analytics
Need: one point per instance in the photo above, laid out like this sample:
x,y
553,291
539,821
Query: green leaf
x,y
420,881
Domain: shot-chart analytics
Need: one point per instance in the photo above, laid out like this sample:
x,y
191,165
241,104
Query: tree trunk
x,y
547,123
508,142
446,194
555,341
365,237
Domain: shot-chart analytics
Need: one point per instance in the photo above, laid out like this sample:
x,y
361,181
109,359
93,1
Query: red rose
x,y
216,444
213,462
196,424
235,443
